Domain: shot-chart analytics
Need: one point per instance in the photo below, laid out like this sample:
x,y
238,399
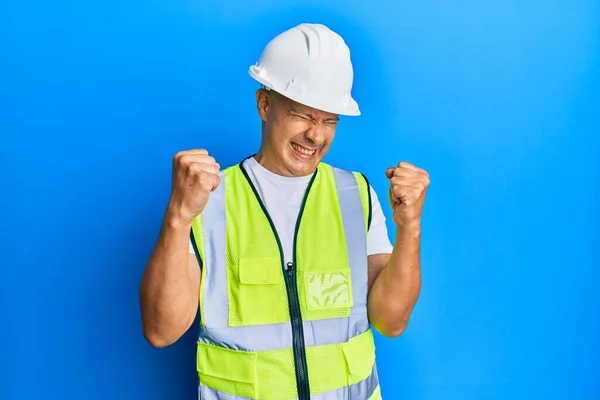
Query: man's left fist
x,y
408,186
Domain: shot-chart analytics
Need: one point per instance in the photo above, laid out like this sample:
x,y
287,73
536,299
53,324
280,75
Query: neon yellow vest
x,y
271,330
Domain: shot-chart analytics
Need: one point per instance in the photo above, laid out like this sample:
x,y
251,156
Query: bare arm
x,y
170,285
395,279
171,281
395,284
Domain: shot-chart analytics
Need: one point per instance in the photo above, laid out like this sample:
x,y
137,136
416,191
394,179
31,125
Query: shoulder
x,y
241,167
350,179
362,181
344,171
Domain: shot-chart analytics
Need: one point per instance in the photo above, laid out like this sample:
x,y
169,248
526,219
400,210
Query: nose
x,y
316,134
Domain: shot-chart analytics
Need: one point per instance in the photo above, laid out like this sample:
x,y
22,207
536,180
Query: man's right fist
x,y
195,175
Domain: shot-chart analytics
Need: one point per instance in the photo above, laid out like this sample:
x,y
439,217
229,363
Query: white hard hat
x,y
309,64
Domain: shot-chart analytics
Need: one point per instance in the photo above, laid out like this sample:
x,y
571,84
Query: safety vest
x,y
276,330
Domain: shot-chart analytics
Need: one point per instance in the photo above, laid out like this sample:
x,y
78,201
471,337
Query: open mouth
x,y
303,151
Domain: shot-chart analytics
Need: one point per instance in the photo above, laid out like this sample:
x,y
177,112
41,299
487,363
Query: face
x,y
295,137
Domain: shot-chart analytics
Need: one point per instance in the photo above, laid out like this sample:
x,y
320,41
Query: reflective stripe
x,y
361,391
355,232
215,294
279,336
376,394
206,393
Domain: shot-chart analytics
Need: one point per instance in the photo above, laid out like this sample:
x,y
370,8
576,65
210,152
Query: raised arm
x,y
170,284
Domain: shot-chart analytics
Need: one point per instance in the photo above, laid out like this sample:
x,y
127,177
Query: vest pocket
x,y
359,353
257,293
226,370
328,290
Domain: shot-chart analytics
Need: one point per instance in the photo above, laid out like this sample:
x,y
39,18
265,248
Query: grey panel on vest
x,y
279,336
335,330
206,393
355,232
216,302
360,391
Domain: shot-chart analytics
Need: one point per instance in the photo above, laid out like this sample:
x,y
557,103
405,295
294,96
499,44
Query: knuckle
x,y
194,168
204,180
177,157
184,159
407,172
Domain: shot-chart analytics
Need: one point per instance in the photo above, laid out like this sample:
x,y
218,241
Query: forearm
x,y
396,289
167,294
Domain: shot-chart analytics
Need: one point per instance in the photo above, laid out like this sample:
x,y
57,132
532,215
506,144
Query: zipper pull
x,y
290,268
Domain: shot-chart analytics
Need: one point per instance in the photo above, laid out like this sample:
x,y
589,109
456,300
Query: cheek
x,y
293,131
282,133
330,136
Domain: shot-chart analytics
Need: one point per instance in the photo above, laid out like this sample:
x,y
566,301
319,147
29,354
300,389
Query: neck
x,y
269,163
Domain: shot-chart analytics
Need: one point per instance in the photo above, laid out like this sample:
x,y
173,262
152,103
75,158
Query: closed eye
x,y
310,118
302,117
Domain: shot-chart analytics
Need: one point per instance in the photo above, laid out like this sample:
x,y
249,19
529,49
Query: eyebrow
x,y
292,110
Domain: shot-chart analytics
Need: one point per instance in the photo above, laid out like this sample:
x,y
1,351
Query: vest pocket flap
x,y
232,365
260,271
359,353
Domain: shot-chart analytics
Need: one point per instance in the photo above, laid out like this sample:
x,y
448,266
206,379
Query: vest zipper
x,y
298,344
297,334
301,367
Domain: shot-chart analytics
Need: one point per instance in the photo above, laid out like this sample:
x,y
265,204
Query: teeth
x,y
302,150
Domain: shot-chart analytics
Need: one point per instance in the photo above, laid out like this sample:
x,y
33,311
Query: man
x,y
288,257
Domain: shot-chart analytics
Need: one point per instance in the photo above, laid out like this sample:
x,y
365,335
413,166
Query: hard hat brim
x,y
351,110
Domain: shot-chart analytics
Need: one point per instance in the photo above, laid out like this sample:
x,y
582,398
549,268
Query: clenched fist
x,y
408,186
195,176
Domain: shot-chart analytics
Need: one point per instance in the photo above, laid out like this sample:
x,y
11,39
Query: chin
x,y
303,167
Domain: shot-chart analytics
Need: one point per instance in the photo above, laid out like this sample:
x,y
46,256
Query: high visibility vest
x,y
276,330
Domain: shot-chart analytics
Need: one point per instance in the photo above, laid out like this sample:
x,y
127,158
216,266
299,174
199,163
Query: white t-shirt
x,y
282,197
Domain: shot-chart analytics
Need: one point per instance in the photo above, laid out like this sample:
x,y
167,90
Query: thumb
x,y
390,172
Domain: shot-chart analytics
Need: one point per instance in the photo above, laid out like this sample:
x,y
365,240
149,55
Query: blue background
x,y
498,100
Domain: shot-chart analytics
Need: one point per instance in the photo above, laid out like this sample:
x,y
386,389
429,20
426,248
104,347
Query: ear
x,y
263,103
